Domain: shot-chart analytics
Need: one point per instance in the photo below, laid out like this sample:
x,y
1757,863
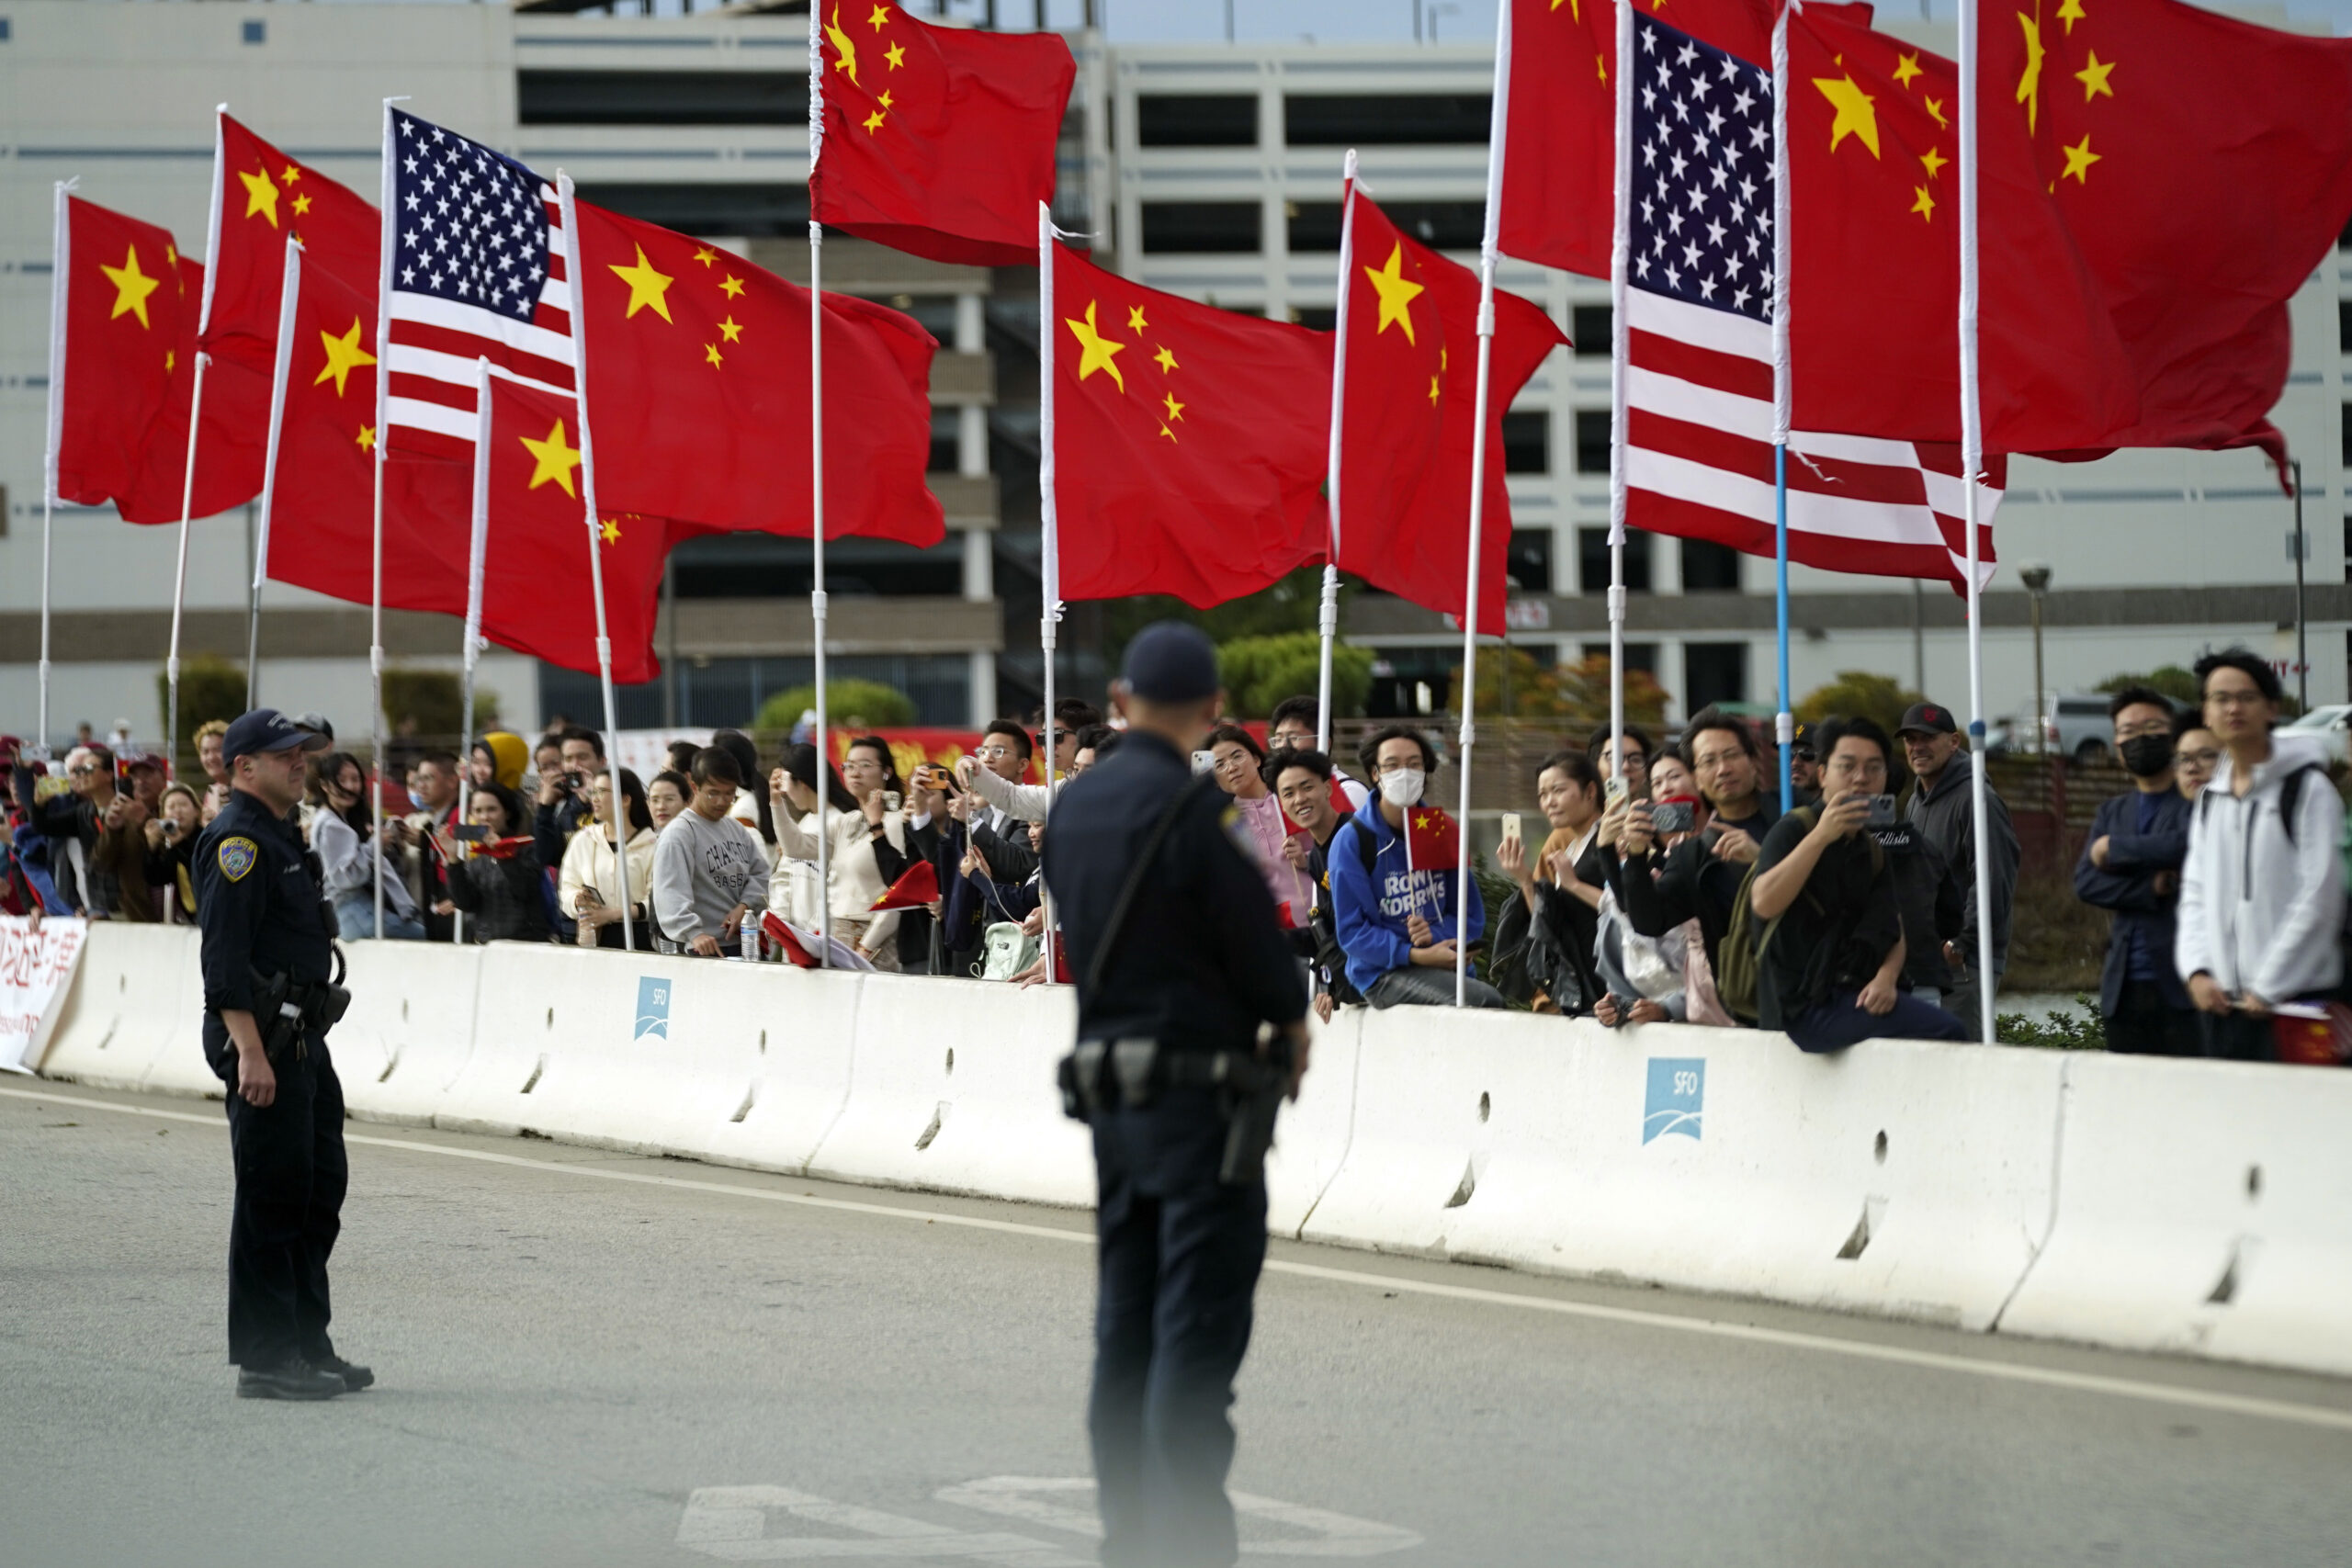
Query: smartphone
x,y
1617,790
1672,817
891,800
1510,828
470,833
1204,761
1882,812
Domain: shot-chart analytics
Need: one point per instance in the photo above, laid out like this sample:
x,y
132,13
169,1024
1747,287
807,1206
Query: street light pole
x,y
2301,547
2036,580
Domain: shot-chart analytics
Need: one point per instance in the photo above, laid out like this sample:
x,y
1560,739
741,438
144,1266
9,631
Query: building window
x,y
2347,550
1527,443
2347,435
1592,441
1592,560
717,691
1709,568
1530,563
1408,682
1641,656
947,440
754,211
1442,225
1588,329
662,98
1169,119
1713,673
1386,119
1201,228
255,32
1316,318
766,566
2344,326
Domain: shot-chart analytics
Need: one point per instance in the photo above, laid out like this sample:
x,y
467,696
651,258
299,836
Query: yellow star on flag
x,y
1856,112
1167,433
1906,67
1395,290
1167,360
705,256
301,206
1136,323
556,458
1934,161
896,54
171,360
646,285
2093,76
367,438
2070,13
131,286
2078,162
885,99
731,285
291,176
343,356
733,333
261,194
1175,409
711,355
881,15
2030,80
1433,391
1095,351
874,122
844,46
612,531
1925,205
1935,111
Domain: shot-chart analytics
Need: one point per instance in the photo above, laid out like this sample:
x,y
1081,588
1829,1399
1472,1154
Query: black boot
x,y
354,1378
292,1378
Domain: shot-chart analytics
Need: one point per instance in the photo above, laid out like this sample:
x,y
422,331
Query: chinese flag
x,y
1431,842
319,508
1190,442
539,595
128,368
1408,419
699,360
2203,166
1559,173
916,887
265,200
938,141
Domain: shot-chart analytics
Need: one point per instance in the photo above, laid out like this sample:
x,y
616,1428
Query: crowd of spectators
x,y
1676,887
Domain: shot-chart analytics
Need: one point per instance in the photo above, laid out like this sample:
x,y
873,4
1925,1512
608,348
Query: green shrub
x,y
2062,1031
849,705
1857,694
423,702
211,688
1259,671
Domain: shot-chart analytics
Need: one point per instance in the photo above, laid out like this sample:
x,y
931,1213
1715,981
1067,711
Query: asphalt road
x,y
590,1360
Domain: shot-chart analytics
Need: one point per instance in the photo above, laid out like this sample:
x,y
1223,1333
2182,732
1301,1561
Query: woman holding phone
x,y
499,885
859,813
1545,938
588,887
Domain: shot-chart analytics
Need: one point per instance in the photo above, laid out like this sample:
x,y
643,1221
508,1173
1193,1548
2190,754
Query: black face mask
x,y
2147,755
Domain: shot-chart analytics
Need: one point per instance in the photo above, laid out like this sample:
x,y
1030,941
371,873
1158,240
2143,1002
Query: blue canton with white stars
x,y
472,226
1702,219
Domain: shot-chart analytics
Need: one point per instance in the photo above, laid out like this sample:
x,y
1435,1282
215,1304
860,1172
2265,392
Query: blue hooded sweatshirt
x,y
1369,908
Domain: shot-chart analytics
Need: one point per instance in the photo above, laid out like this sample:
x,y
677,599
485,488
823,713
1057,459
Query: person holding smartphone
x,y
1829,931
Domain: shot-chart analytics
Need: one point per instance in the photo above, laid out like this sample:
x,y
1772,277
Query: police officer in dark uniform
x,y
1180,965
268,956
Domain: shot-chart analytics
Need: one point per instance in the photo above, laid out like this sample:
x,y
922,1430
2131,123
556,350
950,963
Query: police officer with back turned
x,y
269,1001
1191,1031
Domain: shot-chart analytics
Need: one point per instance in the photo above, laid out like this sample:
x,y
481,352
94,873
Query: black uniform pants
x,y
2143,1024
291,1174
1180,1258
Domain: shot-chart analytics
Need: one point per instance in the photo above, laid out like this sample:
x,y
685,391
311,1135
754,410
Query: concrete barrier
x,y
2202,1209
1311,1137
952,1089
410,1028
132,1017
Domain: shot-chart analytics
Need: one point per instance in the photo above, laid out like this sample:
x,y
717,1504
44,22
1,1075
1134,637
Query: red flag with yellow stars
x,y
1190,442
268,198
1874,265
318,510
1410,416
938,141
538,594
701,361
2203,166
128,368
1559,168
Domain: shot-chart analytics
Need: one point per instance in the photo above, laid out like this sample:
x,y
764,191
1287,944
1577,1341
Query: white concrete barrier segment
x,y
1311,1137
2204,1208
410,1028
131,1018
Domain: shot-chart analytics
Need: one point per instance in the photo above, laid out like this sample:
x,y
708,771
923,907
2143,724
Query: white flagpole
x,y
477,550
1971,460
1621,341
188,477
60,250
375,600
1329,620
822,775
1783,391
1049,532
288,293
578,281
1488,252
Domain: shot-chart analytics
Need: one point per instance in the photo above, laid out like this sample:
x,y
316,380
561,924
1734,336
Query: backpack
x,y
1740,957
1006,950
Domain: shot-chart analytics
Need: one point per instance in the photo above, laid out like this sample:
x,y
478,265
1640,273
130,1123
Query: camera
x,y
1675,815
1882,812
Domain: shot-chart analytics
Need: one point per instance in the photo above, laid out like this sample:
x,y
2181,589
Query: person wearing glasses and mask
x,y
2131,867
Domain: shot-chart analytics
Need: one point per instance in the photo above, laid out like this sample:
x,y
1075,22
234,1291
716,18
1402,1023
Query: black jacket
x,y
504,897
2127,885
259,907
1690,882
1948,814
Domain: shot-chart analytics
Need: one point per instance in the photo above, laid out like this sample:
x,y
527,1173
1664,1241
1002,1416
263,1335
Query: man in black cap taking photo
x,y
1180,963
1942,808
268,950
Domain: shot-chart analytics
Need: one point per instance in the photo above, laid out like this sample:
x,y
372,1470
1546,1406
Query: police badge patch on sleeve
x,y
237,857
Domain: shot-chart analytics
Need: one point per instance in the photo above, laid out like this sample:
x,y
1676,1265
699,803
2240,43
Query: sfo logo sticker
x,y
652,1008
1678,1094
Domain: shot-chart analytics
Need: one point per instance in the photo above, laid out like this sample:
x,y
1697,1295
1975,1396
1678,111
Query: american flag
x,y
476,248
1698,458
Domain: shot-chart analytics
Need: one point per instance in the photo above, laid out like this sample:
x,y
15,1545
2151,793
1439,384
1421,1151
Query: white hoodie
x,y
2259,911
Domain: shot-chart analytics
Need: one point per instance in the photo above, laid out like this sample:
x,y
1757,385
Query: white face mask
x,y
1402,786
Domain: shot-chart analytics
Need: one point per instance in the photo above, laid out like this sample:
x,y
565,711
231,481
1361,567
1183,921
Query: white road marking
x,y
731,1523
1860,1349
1328,1534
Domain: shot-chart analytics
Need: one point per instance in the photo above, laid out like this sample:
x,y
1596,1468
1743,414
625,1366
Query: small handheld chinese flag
x,y
937,140
786,942
916,887
1431,840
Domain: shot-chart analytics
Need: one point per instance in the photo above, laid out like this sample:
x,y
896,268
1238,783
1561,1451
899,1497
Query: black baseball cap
x,y
1927,719
266,730
1171,661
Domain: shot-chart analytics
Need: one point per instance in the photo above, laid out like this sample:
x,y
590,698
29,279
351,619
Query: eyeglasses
x,y
996,753
2134,732
2201,757
2246,699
